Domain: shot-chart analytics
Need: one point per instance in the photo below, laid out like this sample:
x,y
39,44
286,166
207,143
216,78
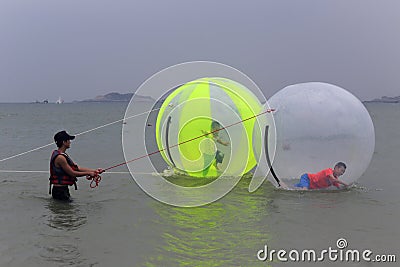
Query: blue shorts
x,y
304,181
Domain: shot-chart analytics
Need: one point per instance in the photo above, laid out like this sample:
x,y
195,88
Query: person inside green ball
x,y
215,137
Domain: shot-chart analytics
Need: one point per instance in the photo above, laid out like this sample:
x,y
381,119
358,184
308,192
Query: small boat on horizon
x,y
59,101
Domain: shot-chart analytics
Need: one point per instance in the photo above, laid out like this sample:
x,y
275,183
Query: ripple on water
x,y
64,216
63,254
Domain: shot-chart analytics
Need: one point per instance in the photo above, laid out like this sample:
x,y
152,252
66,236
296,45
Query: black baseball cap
x,y
63,136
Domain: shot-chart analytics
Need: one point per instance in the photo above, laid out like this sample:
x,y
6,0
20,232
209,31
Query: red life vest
x,y
58,175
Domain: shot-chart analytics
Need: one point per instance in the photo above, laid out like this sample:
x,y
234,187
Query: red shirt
x,y
321,179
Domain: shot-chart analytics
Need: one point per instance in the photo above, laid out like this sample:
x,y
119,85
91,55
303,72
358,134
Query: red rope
x,y
97,178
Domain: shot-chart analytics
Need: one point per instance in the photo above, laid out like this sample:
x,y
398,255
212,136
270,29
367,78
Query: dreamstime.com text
x,y
339,254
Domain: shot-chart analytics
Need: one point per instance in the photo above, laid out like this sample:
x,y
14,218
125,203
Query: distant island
x,y
385,99
117,97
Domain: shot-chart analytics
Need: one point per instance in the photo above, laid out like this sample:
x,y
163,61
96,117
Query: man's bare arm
x,y
62,162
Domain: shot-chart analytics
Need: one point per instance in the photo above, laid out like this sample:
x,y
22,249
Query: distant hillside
x,y
386,99
117,97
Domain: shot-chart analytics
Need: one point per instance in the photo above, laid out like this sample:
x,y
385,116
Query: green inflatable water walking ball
x,y
204,128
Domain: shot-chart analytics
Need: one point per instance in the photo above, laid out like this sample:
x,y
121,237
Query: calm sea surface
x,y
117,224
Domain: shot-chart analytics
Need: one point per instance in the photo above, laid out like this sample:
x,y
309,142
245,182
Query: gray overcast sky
x,y
80,49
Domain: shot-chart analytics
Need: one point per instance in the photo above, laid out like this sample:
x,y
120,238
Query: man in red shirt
x,y
323,179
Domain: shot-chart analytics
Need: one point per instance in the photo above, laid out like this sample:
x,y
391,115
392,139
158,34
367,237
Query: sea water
x,y
117,224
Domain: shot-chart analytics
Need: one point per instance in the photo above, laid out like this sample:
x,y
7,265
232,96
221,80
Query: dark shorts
x,y
61,193
304,181
219,156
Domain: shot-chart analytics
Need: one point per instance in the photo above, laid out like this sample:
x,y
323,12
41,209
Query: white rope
x,y
32,171
26,152
88,131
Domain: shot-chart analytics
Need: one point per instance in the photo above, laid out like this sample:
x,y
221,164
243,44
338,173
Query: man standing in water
x,y
63,171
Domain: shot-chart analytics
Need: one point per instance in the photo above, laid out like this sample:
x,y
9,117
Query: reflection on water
x,y
222,233
63,254
189,181
65,216
60,246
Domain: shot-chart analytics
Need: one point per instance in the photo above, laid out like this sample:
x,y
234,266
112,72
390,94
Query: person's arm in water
x,y
333,179
62,162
